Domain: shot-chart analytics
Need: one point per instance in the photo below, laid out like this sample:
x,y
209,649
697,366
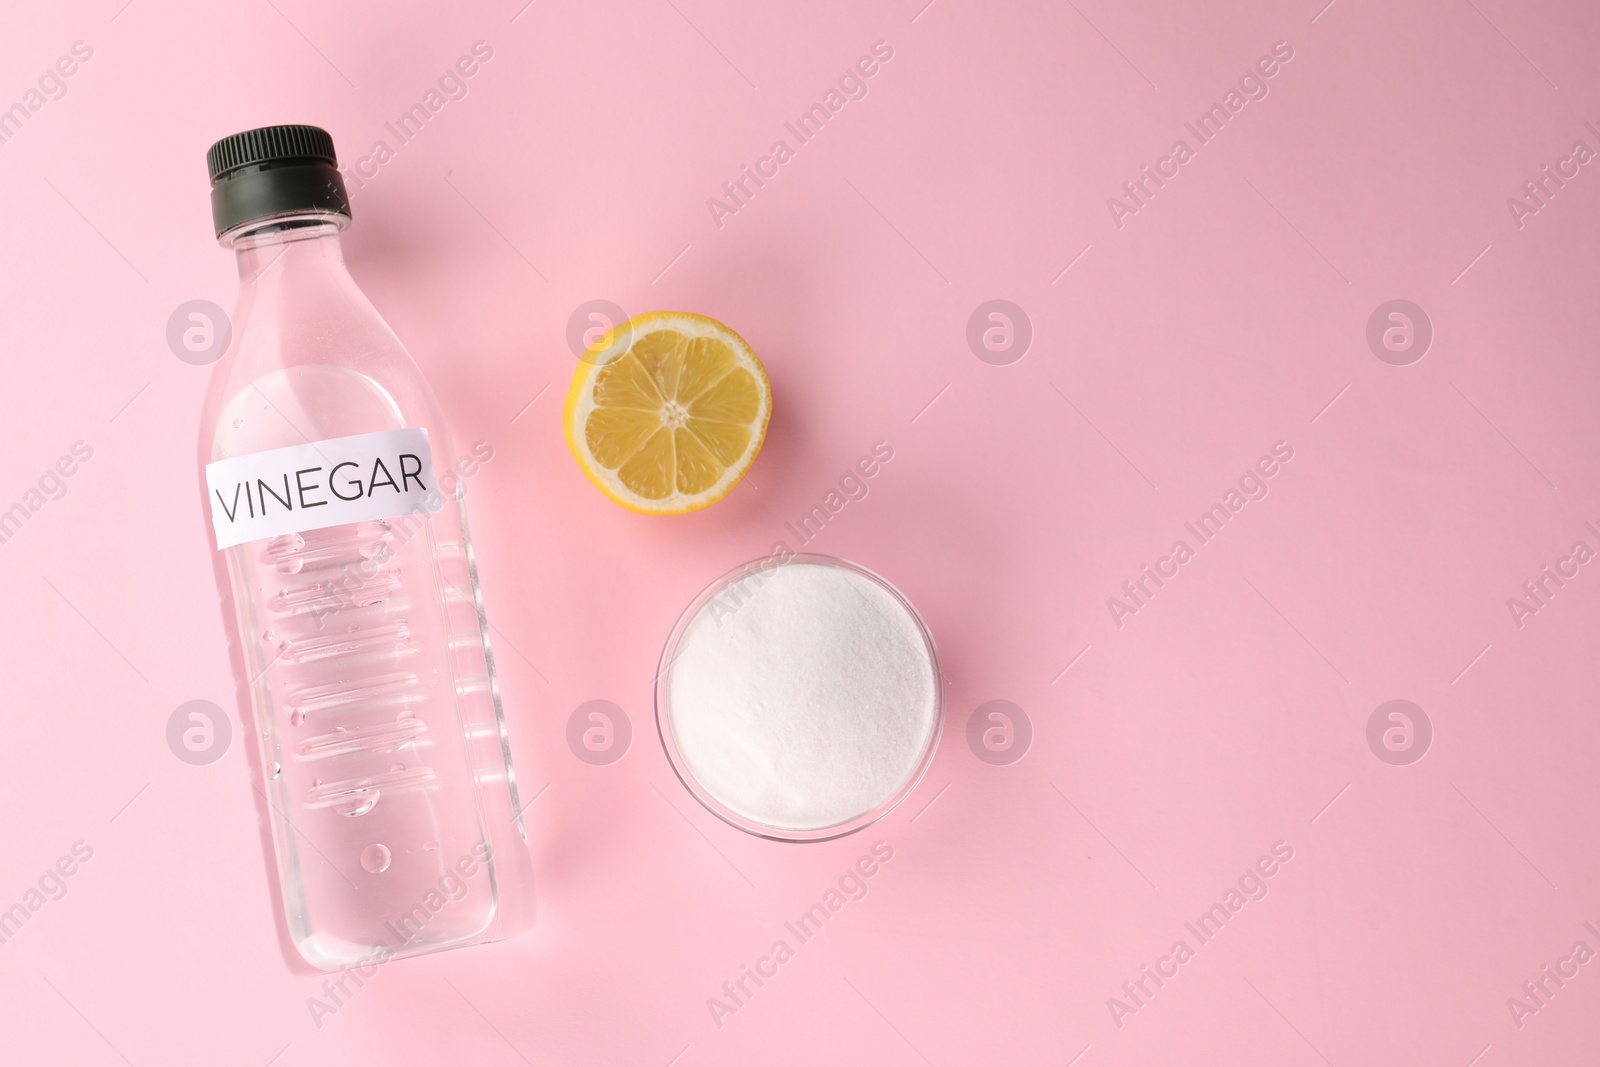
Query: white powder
x,y
802,697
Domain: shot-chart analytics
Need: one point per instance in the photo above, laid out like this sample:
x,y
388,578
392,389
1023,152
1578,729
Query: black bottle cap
x,y
274,170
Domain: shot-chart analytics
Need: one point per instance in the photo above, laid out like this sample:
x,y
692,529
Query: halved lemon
x,y
667,411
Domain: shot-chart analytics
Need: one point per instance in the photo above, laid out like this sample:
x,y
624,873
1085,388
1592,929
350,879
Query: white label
x,y
327,483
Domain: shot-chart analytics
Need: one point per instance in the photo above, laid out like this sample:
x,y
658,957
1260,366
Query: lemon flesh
x,y
667,412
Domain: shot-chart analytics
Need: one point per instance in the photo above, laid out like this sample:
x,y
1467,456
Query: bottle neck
x,y
287,245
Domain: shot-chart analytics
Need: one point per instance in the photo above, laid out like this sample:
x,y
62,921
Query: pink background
x,y
1230,713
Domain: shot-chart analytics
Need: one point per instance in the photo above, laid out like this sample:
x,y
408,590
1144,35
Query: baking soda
x,y
803,697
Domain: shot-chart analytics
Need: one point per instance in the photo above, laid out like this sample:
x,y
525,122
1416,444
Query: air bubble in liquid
x,y
375,859
363,801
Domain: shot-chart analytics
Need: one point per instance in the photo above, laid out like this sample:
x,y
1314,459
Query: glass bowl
x,y
742,582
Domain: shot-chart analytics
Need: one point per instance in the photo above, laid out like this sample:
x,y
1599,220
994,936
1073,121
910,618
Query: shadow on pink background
x,y
1210,728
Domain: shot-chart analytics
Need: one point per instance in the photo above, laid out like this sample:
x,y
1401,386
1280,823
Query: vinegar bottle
x,y
336,500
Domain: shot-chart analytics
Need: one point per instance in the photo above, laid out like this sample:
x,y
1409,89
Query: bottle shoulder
x,y
309,370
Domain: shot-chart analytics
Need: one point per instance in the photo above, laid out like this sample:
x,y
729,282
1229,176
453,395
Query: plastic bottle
x,y
336,501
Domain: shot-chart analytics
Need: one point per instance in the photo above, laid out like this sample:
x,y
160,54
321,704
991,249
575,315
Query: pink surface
x,y
1169,754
